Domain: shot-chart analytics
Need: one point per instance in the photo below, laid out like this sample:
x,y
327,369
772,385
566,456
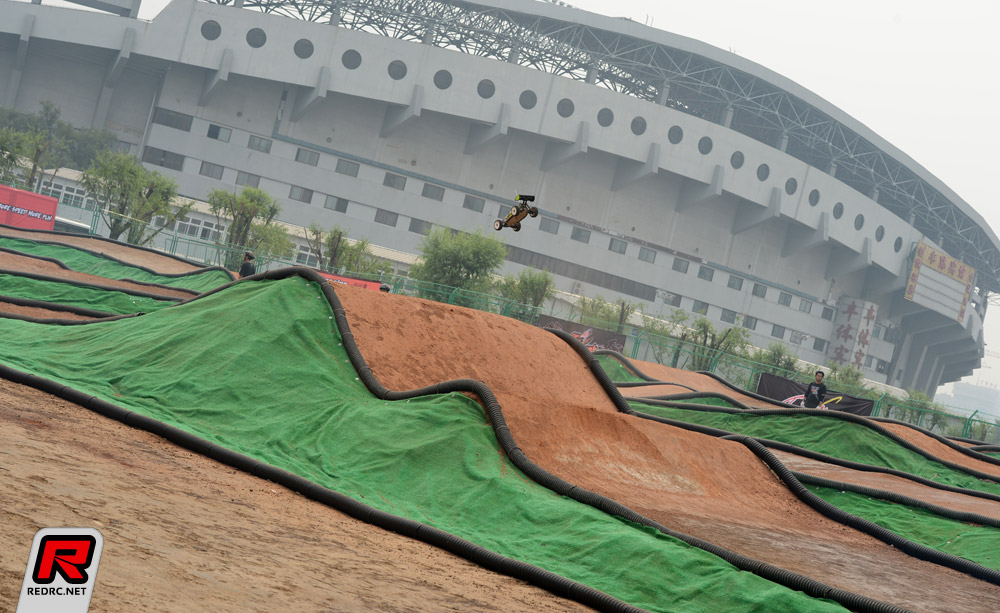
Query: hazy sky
x,y
921,74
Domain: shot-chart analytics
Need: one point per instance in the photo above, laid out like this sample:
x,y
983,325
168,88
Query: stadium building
x,y
668,172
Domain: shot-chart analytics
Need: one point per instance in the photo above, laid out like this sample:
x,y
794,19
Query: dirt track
x,y
206,536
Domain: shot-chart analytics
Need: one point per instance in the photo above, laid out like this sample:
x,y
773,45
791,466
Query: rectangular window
x,y
728,316
759,290
301,194
672,299
209,169
827,313
617,245
819,345
549,225
189,226
735,282
420,226
434,192
647,255
877,332
347,167
700,307
394,181
387,217
219,133
258,143
579,234
159,157
307,157
868,361
681,265
336,204
306,257
750,323
245,178
778,331
477,204
209,232
805,306
706,273
881,367
172,119
785,299
796,338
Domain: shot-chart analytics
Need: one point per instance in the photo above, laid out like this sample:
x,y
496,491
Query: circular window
x,y
763,172
791,186
736,160
442,79
675,135
859,222
838,210
814,197
211,30
879,234
256,38
898,244
303,48
351,59
397,70
486,88
528,99
565,107
705,145
639,126
605,117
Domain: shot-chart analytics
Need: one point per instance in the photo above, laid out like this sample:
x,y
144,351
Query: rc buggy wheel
x,y
533,211
517,227
513,210
498,225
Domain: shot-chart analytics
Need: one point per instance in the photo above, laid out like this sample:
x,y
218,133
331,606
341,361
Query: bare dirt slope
x,y
564,421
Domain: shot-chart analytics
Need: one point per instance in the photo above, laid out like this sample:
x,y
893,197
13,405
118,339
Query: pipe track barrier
x,y
105,256
626,363
850,417
972,452
75,283
887,536
871,492
768,571
51,306
488,559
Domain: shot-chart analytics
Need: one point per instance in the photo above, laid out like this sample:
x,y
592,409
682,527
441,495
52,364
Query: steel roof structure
x,y
684,74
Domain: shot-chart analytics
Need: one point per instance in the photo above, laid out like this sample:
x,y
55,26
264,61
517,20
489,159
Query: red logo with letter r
x,y
69,555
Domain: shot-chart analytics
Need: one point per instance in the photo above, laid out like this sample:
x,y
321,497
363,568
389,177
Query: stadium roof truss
x,y
673,77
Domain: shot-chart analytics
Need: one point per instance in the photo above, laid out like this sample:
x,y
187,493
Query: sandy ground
x,y
184,533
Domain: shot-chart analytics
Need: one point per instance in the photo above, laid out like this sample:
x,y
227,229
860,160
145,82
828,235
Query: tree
x,y
711,342
128,196
12,146
56,142
461,260
529,287
250,207
596,311
658,331
334,250
325,244
778,359
270,241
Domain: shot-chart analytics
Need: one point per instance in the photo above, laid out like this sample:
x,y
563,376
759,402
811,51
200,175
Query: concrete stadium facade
x,y
655,193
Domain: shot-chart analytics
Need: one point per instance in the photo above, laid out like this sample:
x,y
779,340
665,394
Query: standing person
x,y
248,267
815,392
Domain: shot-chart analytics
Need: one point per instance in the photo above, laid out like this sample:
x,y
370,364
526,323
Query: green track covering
x,y
117,303
830,436
616,370
259,368
979,544
82,260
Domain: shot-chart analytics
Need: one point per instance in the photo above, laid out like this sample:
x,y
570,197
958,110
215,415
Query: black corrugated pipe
x,y
857,419
905,545
112,258
871,492
554,583
972,452
627,363
123,290
50,306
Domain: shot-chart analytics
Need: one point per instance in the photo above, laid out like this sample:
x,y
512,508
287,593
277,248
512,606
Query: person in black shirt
x,y
815,392
248,267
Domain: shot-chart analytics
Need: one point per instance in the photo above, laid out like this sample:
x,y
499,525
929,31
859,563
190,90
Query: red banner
x,y
23,209
349,281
